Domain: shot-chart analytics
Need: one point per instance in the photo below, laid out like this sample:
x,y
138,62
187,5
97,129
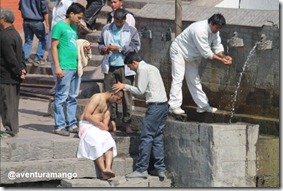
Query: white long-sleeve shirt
x,y
148,82
197,40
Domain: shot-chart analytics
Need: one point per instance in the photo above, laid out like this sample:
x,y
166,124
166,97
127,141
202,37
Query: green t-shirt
x,y
67,47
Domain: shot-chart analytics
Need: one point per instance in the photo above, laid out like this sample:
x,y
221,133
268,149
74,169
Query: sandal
x,y
74,129
61,131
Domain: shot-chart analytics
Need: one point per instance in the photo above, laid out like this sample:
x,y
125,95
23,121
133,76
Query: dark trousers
x,y
93,8
151,139
114,75
9,106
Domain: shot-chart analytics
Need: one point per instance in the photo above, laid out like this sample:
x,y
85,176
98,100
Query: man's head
x,y
132,60
7,17
75,13
120,17
216,22
116,97
115,4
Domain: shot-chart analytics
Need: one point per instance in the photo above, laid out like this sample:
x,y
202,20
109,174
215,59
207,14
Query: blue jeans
x,y
36,28
67,89
151,139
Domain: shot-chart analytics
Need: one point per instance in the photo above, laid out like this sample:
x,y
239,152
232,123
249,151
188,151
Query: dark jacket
x,y
33,10
11,56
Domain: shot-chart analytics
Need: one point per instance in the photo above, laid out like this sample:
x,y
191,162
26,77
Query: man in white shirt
x,y
150,84
200,39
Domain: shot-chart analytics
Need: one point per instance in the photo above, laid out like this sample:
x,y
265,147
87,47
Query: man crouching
x,y
96,143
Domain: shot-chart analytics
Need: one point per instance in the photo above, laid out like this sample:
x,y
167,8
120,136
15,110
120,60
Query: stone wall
x,y
211,155
259,90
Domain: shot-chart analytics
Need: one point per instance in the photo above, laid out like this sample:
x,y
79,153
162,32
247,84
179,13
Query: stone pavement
x,y
34,120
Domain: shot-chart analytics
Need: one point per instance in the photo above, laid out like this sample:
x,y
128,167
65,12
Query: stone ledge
x,y
118,181
46,170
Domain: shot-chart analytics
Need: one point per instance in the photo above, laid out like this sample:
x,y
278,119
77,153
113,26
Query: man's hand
x,y
114,48
59,72
119,86
86,47
228,58
105,50
104,127
23,75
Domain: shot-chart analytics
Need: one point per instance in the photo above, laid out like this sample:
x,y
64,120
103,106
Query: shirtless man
x,y
96,143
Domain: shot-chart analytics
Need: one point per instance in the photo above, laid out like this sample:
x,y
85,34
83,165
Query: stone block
x,y
251,152
65,148
85,183
57,169
231,153
28,150
131,182
231,170
5,152
232,136
251,168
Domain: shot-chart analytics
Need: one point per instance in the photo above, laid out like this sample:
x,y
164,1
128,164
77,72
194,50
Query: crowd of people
x,y
119,42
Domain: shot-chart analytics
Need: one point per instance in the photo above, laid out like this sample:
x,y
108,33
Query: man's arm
x,y
135,43
54,50
89,114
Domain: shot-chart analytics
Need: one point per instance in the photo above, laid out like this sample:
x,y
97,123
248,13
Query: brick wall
x,y
13,4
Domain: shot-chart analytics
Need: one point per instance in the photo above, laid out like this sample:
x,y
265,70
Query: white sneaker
x,y
207,109
176,111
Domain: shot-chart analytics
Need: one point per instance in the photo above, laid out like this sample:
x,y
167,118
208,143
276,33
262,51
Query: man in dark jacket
x,y
12,72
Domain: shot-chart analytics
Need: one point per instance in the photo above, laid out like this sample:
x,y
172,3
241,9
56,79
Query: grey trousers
x,y
9,106
114,75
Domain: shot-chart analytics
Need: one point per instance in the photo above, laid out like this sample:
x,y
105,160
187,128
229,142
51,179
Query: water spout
x,y
264,44
235,41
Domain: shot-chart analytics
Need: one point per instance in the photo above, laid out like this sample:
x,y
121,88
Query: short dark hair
x,y
132,56
76,8
8,15
120,14
217,19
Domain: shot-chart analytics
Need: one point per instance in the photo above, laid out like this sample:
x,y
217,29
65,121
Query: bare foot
x,y
107,174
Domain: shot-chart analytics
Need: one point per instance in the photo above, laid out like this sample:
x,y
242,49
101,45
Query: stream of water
x,y
235,95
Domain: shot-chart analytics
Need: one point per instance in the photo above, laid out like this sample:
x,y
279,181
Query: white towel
x,y
94,142
83,57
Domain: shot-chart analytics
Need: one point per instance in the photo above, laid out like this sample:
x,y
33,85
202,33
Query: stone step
x,y
118,181
23,149
137,4
58,169
94,49
43,74
34,78
96,59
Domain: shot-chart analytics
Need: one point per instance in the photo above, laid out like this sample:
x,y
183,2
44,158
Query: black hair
x,y
132,56
76,8
120,14
217,19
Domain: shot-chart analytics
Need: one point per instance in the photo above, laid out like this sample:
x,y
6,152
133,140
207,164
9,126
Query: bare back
x,y
96,111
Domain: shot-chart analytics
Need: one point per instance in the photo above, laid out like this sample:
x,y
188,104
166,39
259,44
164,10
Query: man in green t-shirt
x,y
65,56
